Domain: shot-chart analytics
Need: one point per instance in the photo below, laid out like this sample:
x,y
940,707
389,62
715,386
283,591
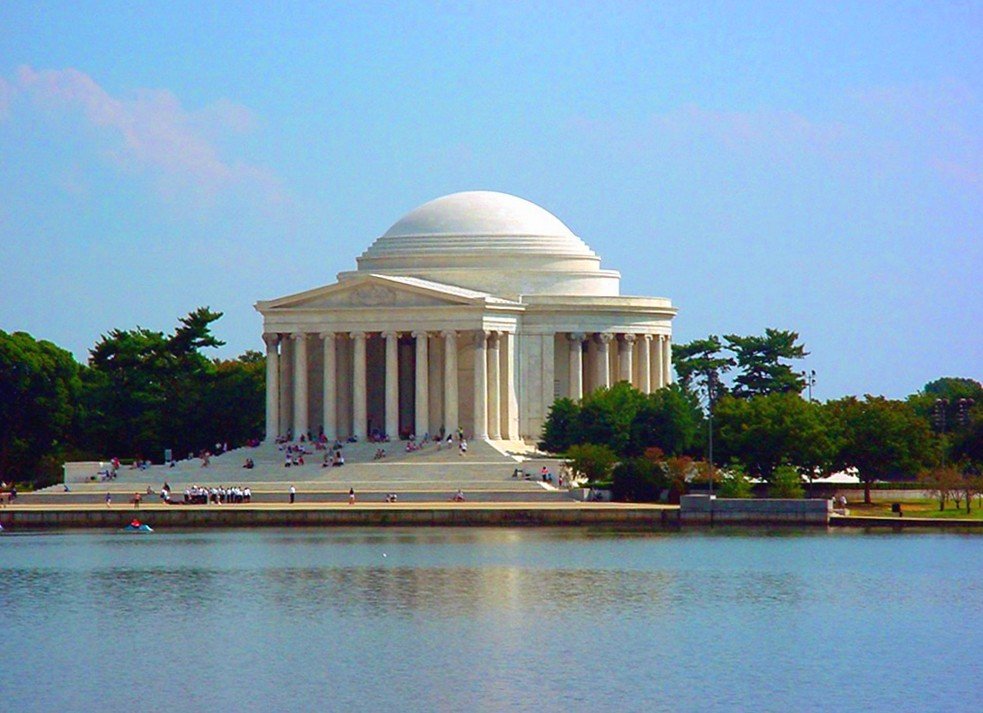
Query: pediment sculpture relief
x,y
372,295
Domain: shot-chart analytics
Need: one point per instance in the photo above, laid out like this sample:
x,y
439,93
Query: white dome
x,y
483,221
489,241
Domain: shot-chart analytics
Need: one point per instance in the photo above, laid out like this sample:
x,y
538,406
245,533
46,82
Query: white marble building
x,y
476,310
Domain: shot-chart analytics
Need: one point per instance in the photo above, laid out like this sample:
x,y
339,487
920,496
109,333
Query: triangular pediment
x,y
380,292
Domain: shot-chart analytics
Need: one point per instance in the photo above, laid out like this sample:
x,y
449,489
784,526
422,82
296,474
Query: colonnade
x,y
643,360
494,405
491,410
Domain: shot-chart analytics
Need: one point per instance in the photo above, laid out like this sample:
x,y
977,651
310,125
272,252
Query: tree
x,y
561,429
668,419
759,361
944,484
786,483
882,439
765,432
696,361
146,391
592,461
39,386
735,483
639,480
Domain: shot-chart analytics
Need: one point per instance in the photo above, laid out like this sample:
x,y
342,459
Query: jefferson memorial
x,y
474,311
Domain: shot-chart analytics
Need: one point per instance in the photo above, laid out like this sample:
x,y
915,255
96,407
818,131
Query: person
x,y
109,499
351,496
464,447
293,494
459,496
136,500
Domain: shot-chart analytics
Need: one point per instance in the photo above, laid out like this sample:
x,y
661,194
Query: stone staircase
x,y
484,467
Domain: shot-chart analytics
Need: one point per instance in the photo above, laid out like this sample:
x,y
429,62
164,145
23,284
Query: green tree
x,y
561,429
145,391
668,419
639,480
786,483
235,398
39,386
607,414
765,432
760,363
881,438
591,461
700,363
735,483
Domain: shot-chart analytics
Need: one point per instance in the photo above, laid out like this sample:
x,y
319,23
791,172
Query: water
x,y
490,620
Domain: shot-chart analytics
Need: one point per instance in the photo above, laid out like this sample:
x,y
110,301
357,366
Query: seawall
x,y
640,516
708,510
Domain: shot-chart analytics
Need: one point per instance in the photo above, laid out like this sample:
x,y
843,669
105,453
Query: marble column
x,y
421,419
359,391
510,399
450,382
576,366
667,361
604,359
494,388
286,385
657,372
330,387
645,367
300,384
392,384
480,385
272,387
625,360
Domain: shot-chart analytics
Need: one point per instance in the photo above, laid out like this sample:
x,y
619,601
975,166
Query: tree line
x,y
742,395
140,392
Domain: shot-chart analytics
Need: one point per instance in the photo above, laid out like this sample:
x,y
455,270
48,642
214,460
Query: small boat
x,y
137,526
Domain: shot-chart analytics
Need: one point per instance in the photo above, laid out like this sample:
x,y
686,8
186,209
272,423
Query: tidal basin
x,y
492,619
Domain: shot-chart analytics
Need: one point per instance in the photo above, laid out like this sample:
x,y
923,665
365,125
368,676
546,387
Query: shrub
x,y
786,483
735,483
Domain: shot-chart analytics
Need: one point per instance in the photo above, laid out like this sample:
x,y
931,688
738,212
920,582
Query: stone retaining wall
x,y
707,510
185,517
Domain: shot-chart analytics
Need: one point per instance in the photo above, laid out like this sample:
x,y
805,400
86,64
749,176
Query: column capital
x,y
645,337
448,334
577,337
271,339
326,336
481,334
605,337
420,334
297,336
391,334
357,335
628,338
493,338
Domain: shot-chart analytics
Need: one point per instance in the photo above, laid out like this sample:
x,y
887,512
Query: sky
x,y
812,166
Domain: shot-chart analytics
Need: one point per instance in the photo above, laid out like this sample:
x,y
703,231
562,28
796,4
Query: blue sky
x,y
806,166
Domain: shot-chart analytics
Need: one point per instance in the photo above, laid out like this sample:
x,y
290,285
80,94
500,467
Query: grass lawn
x,y
917,508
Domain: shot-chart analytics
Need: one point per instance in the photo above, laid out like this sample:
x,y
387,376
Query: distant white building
x,y
474,311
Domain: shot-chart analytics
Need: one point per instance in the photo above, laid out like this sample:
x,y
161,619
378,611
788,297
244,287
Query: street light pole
x,y
810,378
711,391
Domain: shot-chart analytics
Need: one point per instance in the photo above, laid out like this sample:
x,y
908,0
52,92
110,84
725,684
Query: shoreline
x,y
421,514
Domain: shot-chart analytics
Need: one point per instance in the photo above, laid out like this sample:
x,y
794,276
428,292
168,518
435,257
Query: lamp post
x,y
810,378
711,393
